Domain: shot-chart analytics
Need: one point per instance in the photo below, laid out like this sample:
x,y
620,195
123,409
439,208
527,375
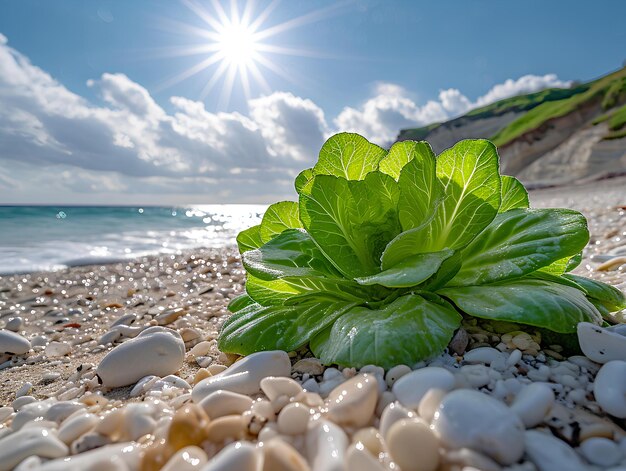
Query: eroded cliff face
x,y
447,134
563,150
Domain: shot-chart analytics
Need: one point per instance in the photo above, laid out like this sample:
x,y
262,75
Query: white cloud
x,y
56,146
392,108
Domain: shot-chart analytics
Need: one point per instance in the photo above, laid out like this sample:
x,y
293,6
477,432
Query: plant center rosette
x,y
385,252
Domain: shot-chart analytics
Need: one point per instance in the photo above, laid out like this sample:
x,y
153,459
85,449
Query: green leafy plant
x,y
386,250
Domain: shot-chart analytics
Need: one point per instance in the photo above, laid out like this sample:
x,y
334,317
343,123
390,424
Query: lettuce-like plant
x,y
386,250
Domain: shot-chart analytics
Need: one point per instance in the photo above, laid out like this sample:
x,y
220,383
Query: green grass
x,y
618,119
537,116
525,102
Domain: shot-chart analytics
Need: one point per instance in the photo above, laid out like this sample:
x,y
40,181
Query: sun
x,y
237,46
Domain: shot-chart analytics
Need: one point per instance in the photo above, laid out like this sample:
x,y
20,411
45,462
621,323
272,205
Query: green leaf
x,y
519,242
401,153
574,262
611,297
291,289
279,217
352,221
292,253
469,174
240,302
303,178
420,190
514,195
410,272
349,156
277,327
527,301
408,330
249,239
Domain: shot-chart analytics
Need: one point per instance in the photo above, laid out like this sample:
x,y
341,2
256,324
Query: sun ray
x,y
227,87
191,71
299,21
216,76
245,82
256,24
237,48
202,13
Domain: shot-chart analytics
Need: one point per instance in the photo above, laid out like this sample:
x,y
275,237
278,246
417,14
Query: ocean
x,y
34,238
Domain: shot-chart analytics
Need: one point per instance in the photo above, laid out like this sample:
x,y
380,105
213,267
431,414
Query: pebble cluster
x,y
117,368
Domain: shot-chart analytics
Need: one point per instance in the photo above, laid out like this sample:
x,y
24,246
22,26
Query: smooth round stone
x,y
411,387
14,324
30,412
244,376
190,458
273,387
352,403
471,419
413,446
599,344
117,457
22,401
465,458
75,426
156,351
293,419
609,388
391,414
24,389
476,376
485,355
221,403
59,411
601,451
395,373
359,459
430,403
371,438
30,441
548,453
326,445
533,403
280,456
12,343
5,413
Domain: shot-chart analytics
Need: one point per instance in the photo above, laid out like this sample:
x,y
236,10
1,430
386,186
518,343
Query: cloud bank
x,y
56,146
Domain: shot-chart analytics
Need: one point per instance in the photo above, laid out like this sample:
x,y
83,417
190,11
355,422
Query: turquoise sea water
x,y
52,237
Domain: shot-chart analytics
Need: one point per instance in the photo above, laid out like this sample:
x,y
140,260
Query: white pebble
x,y
599,344
601,451
412,387
485,355
413,446
221,403
190,458
14,324
392,414
471,419
30,441
293,419
75,426
548,453
326,445
395,373
58,349
156,351
609,388
359,459
24,389
533,403
244,376
430,403
12,343
353,402
273,387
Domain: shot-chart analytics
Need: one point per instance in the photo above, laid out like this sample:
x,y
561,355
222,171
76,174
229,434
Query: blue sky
x,y
89,95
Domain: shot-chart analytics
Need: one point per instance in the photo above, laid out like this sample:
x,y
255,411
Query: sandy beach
x,y
69,318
